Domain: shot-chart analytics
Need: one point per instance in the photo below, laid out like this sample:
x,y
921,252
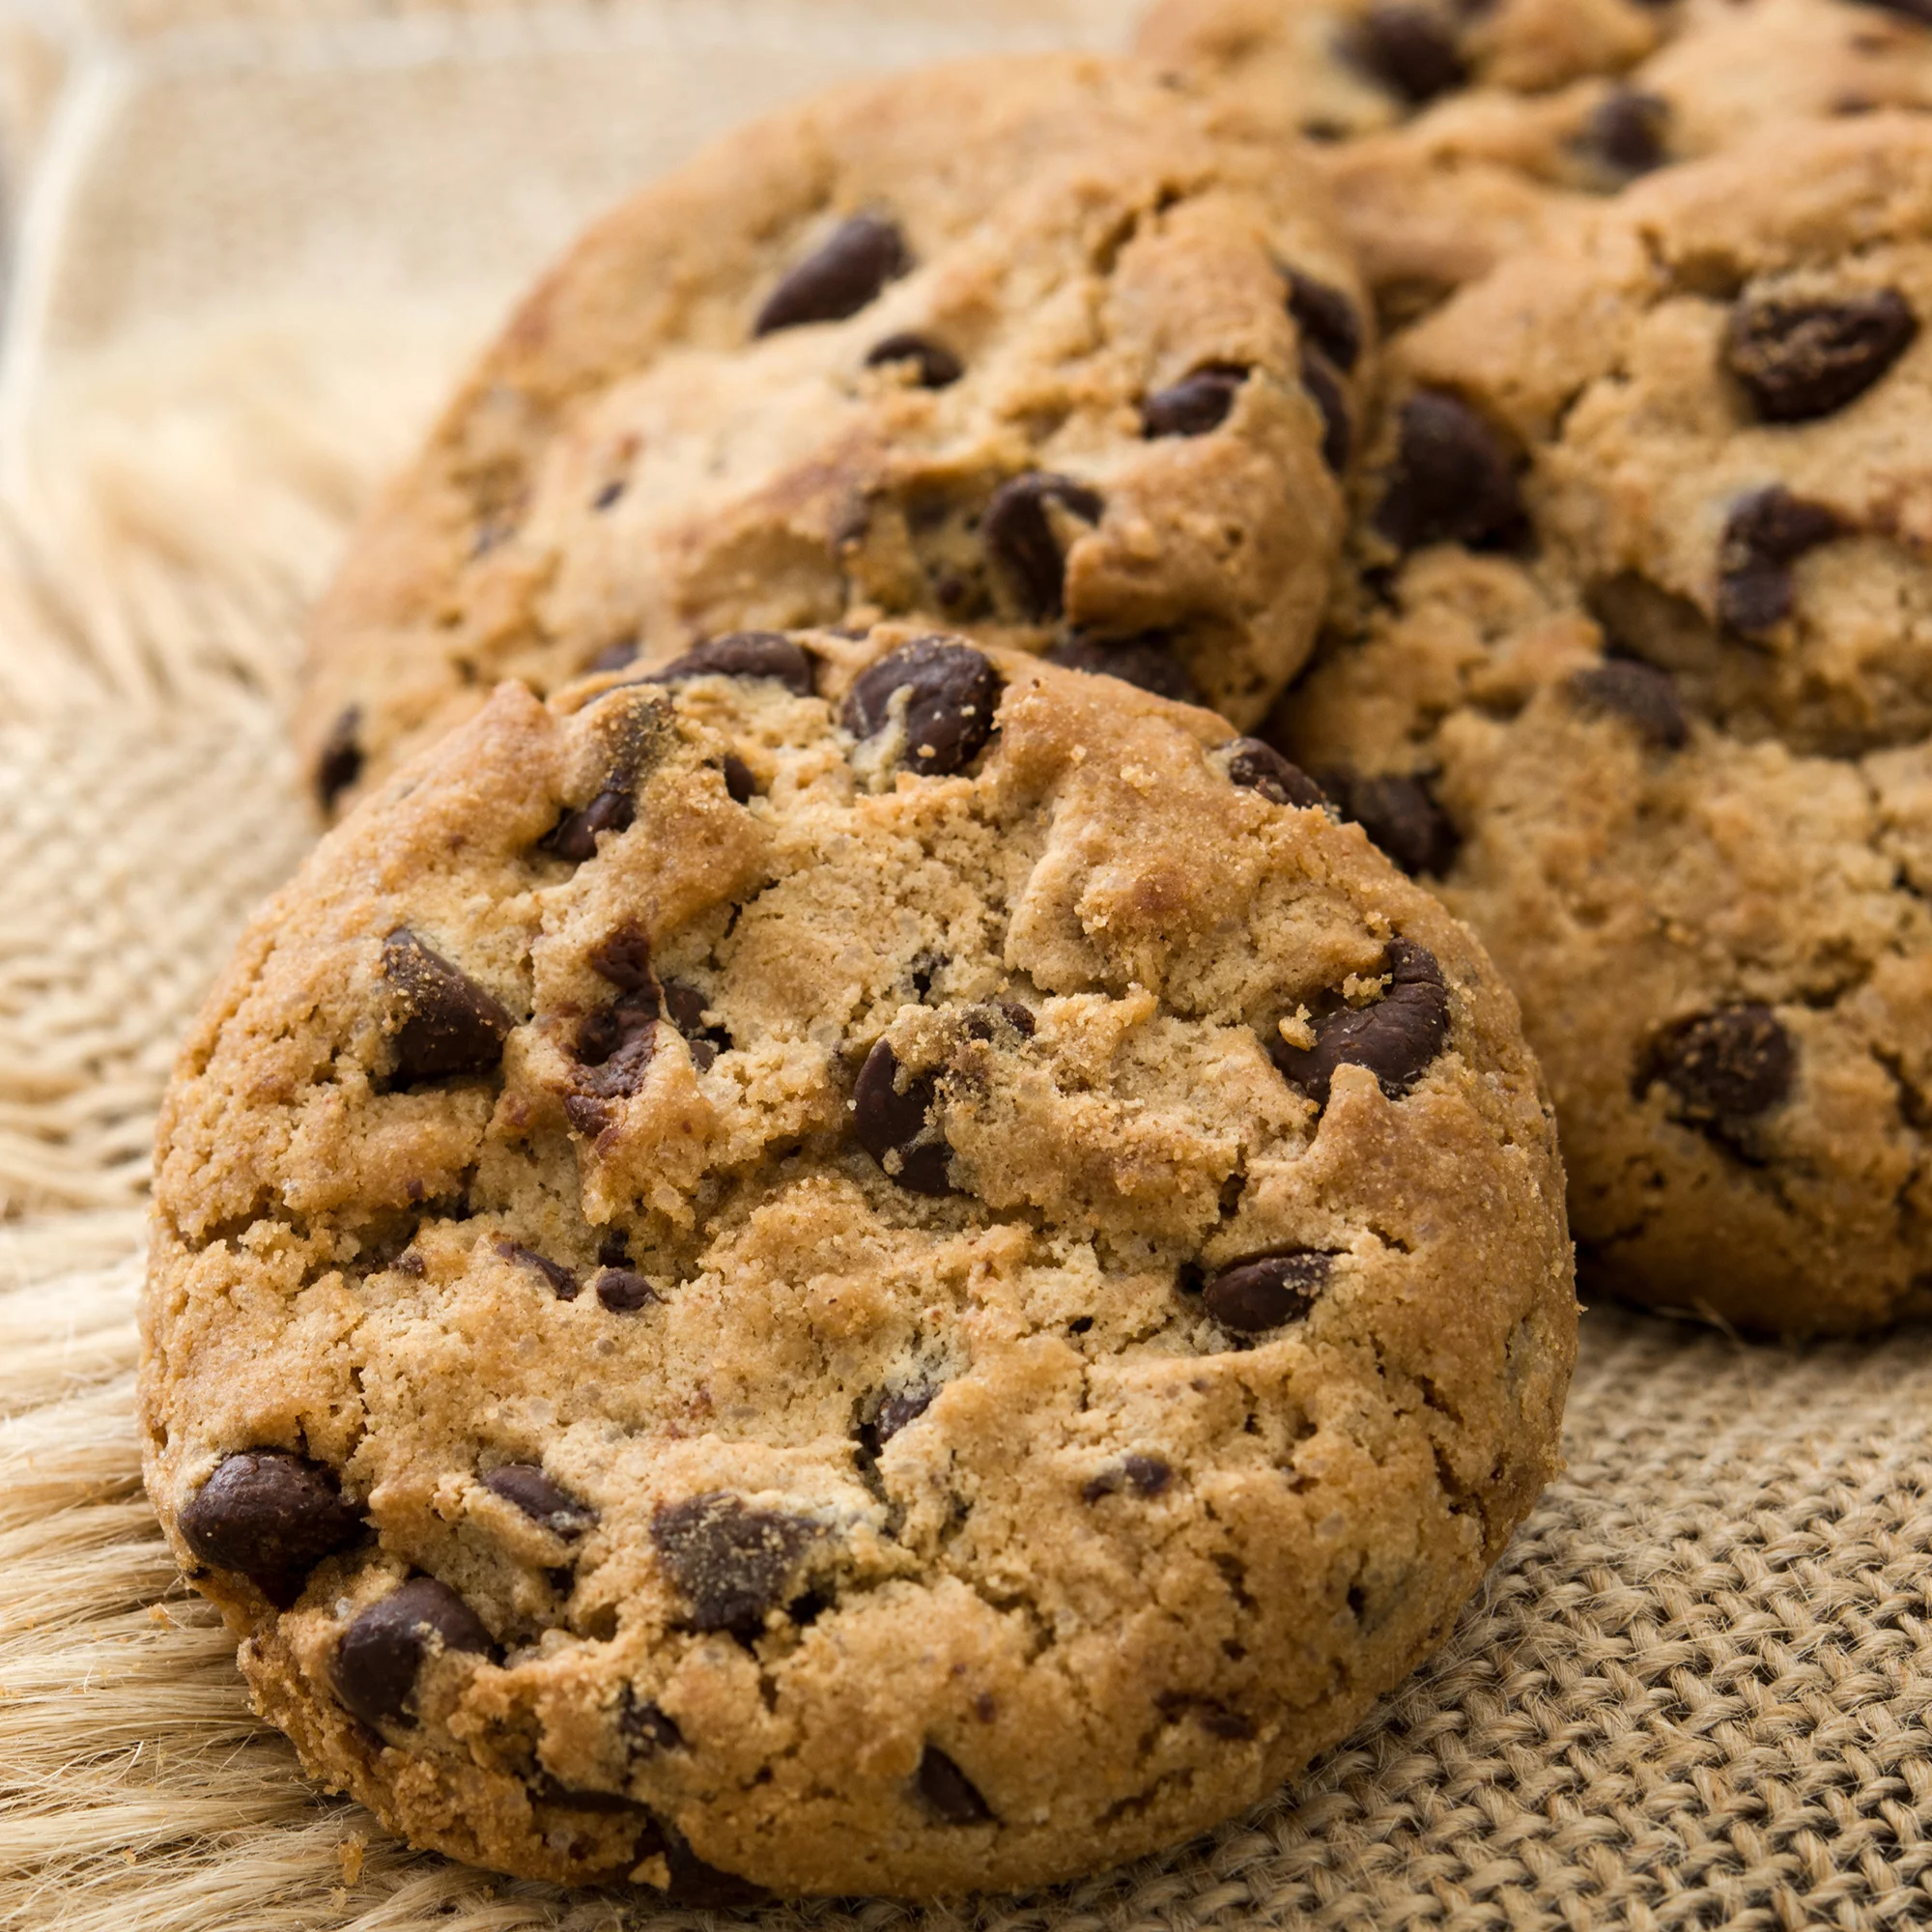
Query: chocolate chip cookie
x,y
1643,677
867,1266
1024,345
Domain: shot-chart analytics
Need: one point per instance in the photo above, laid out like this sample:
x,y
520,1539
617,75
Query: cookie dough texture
x,y
1025,344
1671,694
897,1309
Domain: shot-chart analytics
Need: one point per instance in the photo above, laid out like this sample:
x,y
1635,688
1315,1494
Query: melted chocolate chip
x,y
1020,540
646,1727
732,1564
623,1291
1195,404
1328,320
1627,131
540,1499
270,1515
949,1791
1409,51
1641,697
450,1025
1767,533
1325,392
936,365
1144,1475
1258,767
624,959
339,764
1731,1065
562,1281
952,696
1400,813
383,1651
744,654
1452,481
896,1126
574,835
840,277
1147,662
1267,1291
1804,359
1397,1039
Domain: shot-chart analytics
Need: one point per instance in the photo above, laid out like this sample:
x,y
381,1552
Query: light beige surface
x,y
1696,1694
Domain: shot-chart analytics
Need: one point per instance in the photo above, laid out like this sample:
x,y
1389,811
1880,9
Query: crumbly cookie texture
x,y
1035,345
873,1266
1649,690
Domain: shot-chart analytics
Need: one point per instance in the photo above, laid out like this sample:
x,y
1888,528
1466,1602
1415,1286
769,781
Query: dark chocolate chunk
x,y
840,277
1767,533
450,1025
1145,1475
1731,1065
623,1291
937,367
1802,359
1267,1291
339,764
1328,320
1397,1039
562,1280
684,1006
1325,392
1627,131
1452,481
574,835
382,1652
1196,404
1640,695
952,696
270,1515
624,959
732,1564
746,654
896,1126
614,657
1145,660
1400,813
900,1409
646,1727
741,782
1258,767
1020,540
541,1499
1410,50
616,1044
949,1791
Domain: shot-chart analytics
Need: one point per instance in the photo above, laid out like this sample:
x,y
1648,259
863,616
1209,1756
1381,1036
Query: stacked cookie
x,y
854,1234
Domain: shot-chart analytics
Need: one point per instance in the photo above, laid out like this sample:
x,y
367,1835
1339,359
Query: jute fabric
x,y
253,241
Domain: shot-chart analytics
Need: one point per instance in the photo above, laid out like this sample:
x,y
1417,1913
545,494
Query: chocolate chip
x,y
562,1280
1325,392
624,959
746,654
270,1515
450,1025
1195,404
732,1564
988,1020
1145,1475
1328,320
899,1411
685,1006
1626,131
1397,1039
953,693
1804,359
1400,813
1214,1716
1453,482
1638,694
1020,540
1766,533
383,1651
614,657
574,835
541,1499
949,1791
646,1727
846,273
1258,767
896,1126
936,365
1731,1065
615,1249
1919,11
741,782
1145,660
608,496
339,764
1267,1291
615,1046
1409,51
624,1293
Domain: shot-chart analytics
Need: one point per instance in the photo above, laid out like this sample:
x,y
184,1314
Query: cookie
x,y
1644,681
1023,345
873,1267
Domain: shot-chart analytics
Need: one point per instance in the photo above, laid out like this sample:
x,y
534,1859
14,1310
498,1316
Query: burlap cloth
x,y
250,242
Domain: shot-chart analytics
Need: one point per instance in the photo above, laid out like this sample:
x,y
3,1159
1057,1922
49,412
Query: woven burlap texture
x,y
255,240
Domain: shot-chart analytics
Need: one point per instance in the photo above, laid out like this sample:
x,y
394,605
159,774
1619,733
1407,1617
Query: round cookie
x,y
1022,344
873,1267
1644,678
